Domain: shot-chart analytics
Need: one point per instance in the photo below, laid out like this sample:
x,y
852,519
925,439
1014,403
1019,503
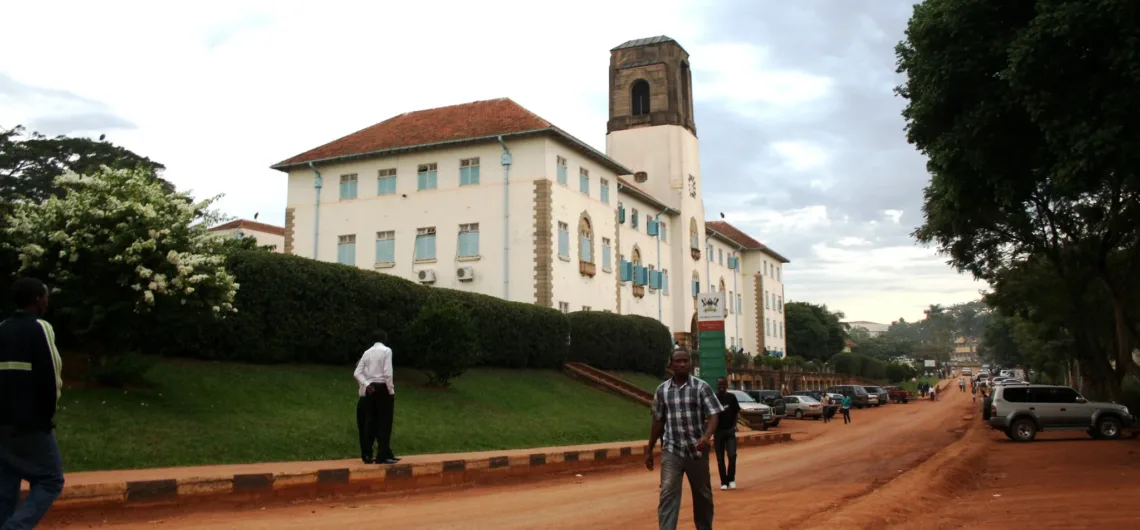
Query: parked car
x,y
859,396
773,399
898,395
882,396
1021,411
800,407
967,371
756,415
816,394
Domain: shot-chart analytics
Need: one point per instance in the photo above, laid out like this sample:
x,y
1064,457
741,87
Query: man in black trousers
x,y
724,439
376,406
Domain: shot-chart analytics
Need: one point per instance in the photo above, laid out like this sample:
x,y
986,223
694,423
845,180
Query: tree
x,y
444,356
813,332
116,244
1025,112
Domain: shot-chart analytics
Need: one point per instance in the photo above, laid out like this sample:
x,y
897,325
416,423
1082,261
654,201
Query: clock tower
x,y
652,131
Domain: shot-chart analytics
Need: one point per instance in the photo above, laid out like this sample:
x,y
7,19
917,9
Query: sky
x,y
802,141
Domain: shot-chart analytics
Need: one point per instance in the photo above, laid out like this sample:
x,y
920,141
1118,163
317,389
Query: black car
x,y
884,396
773,399
859,396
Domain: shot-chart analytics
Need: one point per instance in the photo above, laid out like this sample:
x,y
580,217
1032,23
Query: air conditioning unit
x,y
427,276
465,274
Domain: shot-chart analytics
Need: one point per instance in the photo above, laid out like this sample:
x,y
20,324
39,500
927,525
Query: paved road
x,y
805,484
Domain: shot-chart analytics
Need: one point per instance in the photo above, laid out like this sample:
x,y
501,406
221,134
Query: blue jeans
x,y
34,457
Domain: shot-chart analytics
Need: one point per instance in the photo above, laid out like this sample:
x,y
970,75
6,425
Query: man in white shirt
x,y
375,408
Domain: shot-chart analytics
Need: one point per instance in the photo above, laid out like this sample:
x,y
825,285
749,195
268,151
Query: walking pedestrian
x,y
375,407
825,402
724,440
30,386
846,409
681,407
933,394
962,383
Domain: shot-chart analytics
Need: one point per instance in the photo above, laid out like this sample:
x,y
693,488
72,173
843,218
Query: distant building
x,y
874,329
265,234
965,349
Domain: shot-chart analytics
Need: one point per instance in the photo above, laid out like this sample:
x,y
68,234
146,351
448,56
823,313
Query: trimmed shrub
x,y
619,342
444,356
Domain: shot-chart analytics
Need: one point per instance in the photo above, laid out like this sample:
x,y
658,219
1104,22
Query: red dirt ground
x,y
921,465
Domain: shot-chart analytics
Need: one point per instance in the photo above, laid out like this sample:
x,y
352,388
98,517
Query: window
x,y
728,302
639,97
778,275
633,223
563,240
469,240
468,171
708,251
780,305
781,324
665,281
607,254
585,241
605,191
739,303
386,182
386,247
1015,394
767,326
766,304
426,177
652,269
564,307
584,180
562,171
662,231
346,250
347,187
720,256
425,244
765,268
694,241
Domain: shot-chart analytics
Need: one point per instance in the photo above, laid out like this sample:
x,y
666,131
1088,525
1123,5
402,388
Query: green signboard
x,y
710,337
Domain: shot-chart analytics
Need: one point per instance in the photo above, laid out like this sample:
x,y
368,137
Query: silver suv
x,y
1021,410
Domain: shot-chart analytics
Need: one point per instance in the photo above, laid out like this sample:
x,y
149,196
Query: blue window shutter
x,y
696,287
625,270
475,175
562,174
651,227
655,279
385,250
633,221
584,249
665,282
346,253
605,194
468,244
563,243
621,214
584,184
606,256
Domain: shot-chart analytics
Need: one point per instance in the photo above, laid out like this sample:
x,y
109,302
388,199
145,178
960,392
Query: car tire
x,y
776,423
1108,429
905,401
1009,434
799,414
1023,430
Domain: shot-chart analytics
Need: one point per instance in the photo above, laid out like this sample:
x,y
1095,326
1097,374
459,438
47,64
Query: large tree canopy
x,y
813,332
1026,111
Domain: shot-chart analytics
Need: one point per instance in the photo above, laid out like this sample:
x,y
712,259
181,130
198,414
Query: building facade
x,y
488,197
266,235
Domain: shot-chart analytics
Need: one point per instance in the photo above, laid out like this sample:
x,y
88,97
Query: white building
x,y
265,234
490,198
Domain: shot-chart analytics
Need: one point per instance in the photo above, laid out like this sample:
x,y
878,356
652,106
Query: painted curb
x,y
364,479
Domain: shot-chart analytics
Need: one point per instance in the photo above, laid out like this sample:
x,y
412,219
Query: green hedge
x,y
619,342
859,366
293,309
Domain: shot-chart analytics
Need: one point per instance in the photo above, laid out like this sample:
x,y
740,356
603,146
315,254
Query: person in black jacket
x,y
30,384
724,439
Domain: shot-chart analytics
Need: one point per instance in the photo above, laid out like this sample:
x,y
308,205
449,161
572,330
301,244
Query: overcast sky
x,y
801,138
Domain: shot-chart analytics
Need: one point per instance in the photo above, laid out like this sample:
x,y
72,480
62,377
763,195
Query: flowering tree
x,y
119,243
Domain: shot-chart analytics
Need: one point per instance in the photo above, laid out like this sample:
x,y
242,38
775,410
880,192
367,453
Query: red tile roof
x,y
250,225
740,238
476,121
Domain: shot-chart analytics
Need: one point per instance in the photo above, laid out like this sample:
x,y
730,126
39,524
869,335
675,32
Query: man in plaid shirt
x,y
685,413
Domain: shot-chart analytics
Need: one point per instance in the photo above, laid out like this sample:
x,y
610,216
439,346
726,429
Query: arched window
x,y
694,241
585,240
696,286
635,257
721,290
639,97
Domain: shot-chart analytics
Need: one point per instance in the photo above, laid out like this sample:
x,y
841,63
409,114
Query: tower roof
x,y
647,41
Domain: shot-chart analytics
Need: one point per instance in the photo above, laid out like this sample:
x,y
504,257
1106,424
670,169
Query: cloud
x,y
802,141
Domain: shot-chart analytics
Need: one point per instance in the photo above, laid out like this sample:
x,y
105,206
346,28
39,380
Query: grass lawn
x,y
644,381
218,413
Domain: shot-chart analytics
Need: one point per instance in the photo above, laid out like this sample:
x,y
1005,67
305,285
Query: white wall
x,y
772,285
444,208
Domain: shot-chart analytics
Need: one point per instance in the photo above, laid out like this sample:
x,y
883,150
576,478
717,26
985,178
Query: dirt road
x,y
892,465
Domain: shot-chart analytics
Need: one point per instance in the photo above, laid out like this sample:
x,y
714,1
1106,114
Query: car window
x,y
1015,395
1037,395
742,397
1064,395
791,399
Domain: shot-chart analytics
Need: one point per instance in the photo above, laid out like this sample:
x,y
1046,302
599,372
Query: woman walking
x,y
846,410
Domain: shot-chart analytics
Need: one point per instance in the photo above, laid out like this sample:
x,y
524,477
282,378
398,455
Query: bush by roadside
x,y
619,342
